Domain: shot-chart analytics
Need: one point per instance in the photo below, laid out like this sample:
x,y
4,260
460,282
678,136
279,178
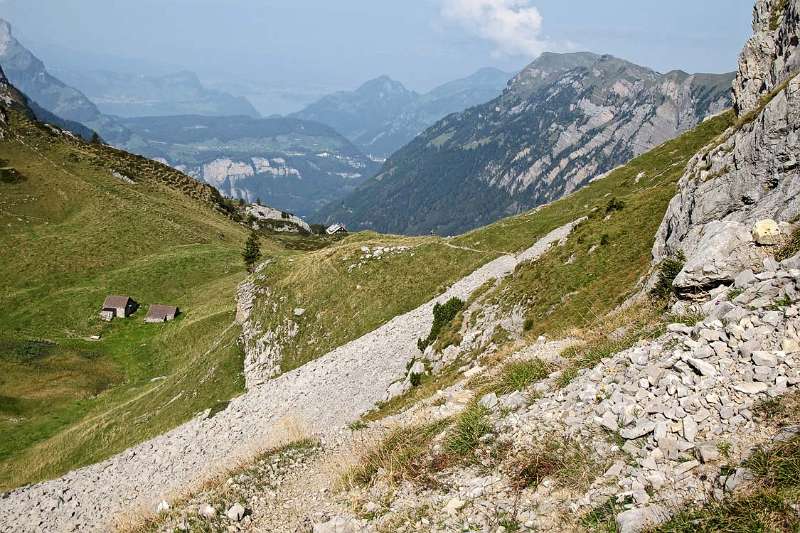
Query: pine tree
x,y
96,138
252,251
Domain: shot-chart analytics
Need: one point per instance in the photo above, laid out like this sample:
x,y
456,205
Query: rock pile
x,y
655,423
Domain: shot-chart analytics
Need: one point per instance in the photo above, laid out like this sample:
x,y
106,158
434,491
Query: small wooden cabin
x,y
118,306
160,313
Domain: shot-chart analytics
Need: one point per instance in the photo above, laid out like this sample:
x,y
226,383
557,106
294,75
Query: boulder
x,y
707,452
705,369
767,232
338,524
751,388
642,518
762,358
723,251
235,513
637,431
454,505
515,400
206,511
489,401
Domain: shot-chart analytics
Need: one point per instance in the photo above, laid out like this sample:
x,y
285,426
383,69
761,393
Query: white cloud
x,y
512,26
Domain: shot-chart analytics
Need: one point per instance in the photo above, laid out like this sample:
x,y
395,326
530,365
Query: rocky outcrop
x,y
276,219
770,55
748,175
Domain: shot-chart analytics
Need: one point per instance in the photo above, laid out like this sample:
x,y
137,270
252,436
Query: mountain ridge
x,y
563,120
139,95
29,74
381,114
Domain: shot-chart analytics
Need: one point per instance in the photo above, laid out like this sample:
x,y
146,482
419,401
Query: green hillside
x,y
71,233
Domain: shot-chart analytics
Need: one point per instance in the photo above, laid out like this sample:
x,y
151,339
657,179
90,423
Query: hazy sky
x,y
318,45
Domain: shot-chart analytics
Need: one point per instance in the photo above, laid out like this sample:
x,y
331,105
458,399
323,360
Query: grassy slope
x,y
343,304
72,233
557,296
603,260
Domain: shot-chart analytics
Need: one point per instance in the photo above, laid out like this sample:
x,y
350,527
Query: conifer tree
x,y
252,251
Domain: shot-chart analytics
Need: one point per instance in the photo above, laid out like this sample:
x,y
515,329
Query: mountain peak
x,y
383,84
5,35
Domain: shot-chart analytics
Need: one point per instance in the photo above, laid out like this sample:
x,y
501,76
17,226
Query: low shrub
x,y
443,314
668,270
614,204
563,460
791,248
10,175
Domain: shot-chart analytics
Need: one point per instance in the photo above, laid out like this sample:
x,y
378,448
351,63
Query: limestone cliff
x,y
751,172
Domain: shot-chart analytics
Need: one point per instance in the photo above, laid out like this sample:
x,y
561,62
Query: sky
x,y
299,49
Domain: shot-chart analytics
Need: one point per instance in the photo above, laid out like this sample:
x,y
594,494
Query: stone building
x,y
118,306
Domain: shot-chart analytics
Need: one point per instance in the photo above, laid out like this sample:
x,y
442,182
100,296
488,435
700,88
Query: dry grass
x,y
565,461
403,455
415,453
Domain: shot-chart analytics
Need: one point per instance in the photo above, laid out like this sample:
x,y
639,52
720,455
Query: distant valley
x,y
130,95
292,164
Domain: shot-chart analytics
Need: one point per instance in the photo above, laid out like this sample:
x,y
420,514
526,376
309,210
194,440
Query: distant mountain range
x,y
62,104
562,121
383,115
131,95
293,164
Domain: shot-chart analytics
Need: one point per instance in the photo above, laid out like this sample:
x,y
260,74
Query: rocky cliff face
x,y
751,173
10,98
565,119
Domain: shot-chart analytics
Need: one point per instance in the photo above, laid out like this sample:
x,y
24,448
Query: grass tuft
x,y
403,455
465,435
514,376
563,460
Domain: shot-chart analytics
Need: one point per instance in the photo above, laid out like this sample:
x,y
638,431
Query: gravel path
x,y
321,396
